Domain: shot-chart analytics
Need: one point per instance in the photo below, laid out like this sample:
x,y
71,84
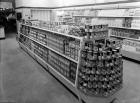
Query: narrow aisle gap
x,y
3,96
0,51
1,85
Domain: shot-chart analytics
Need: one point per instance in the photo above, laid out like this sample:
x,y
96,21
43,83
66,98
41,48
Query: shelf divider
x,y
125,38
51,49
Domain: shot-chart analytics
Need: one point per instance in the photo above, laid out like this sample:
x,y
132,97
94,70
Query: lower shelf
x,y
131,55
51,69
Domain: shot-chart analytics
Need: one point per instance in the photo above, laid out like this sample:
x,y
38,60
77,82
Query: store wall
x,y
34,3
59,3
82,2
43,15
7,3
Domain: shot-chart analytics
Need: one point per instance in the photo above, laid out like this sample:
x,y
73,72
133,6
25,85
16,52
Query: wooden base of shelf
x,y
91,99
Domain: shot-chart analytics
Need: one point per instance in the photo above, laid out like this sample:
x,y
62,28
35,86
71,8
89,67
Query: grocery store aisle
x,y
24,81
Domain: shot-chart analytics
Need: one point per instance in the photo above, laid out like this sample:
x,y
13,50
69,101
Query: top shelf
x,y
88,16
125,28
84,16
79,38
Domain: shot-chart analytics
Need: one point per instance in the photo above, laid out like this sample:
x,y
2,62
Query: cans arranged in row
x,y
101,68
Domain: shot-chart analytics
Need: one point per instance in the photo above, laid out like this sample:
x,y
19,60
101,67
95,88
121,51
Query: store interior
x,y
69,51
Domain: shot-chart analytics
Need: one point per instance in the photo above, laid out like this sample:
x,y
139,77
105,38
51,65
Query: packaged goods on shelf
x,y
136,23
79,12
55,41
125,33
68,20
61,27
118,42
87,12
96,31
77,31
100,72
101,65
35,23
71,48
41,36
132,46
132,12
25,41
112,13
127,22
63,66
137,12
117,22
38,49
73,68
33,33
41,51
60,43
24,29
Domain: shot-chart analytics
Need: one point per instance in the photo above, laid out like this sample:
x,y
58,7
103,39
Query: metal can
x,y
95,56
88,70
98,71
101,78
91,78
94,84
82,69
99,84
90,45
93,71
95,48
86,78
106,92
84,53
89,63
108,55
89,85
89,55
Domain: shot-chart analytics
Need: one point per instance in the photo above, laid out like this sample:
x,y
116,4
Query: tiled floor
x,y
24,81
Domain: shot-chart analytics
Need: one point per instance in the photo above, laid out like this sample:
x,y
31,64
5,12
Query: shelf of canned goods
x,y
89,65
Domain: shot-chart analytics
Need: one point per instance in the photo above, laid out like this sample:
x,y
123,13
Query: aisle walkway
x,y
24,81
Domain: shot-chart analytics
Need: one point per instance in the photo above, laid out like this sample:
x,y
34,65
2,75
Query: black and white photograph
x,y
69,51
